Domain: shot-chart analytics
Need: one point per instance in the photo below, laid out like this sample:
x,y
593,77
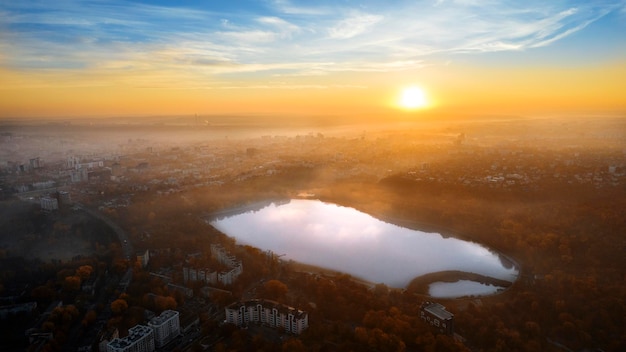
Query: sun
x,y
413,98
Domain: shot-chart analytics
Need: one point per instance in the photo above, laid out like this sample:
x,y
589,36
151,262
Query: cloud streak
x,y
279,37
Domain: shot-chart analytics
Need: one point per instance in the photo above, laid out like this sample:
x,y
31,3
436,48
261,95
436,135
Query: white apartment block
x,y
166,327
80,175
270,313
140,339
212,277
143,258
222,256
49,203
228,277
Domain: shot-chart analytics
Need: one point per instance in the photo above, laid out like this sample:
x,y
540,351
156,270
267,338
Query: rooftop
x,y
164,317
134,334
270,304
437,310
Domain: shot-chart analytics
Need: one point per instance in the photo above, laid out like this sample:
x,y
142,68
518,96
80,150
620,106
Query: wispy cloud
x,y
353,26
287,7
279,38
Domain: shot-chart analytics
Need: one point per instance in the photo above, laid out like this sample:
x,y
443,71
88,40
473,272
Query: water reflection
x,y
466,287
353,242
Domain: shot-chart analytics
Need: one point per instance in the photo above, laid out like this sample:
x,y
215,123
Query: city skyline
x,y
134,58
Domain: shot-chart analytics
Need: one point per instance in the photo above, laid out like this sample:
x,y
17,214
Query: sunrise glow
x,y
413,98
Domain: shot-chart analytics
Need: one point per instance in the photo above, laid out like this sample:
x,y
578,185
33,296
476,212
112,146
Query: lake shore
x,y
314,269
419,284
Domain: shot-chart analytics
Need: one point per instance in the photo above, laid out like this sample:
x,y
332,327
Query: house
x,y
438,317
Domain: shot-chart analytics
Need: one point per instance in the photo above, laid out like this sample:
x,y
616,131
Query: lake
x,y
347,240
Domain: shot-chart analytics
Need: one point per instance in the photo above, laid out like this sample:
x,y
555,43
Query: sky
x,y
70,58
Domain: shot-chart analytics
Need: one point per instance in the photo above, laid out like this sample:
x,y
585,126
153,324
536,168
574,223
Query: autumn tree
x,y
72,283
119,306
275,289
162,303
84,271
293,345
90,317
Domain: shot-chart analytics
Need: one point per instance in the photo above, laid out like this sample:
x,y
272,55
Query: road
x,y
127,246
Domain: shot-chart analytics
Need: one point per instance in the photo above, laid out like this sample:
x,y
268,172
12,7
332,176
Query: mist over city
x,y
328,176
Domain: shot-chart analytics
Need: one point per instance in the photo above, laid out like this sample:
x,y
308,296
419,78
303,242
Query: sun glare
x,y
413,98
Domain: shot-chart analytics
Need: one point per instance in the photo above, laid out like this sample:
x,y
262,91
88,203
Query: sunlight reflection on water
x,y
344,239
468,288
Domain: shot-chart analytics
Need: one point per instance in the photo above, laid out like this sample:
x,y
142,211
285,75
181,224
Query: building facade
x,y
143,258
212,277
49,203
438,317
166,327
140,339
270,313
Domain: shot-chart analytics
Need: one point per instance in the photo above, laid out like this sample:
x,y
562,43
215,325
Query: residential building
x,y
140,339
212,277
79,175
438,317
166,327
106,336
36,163
218,252
143,258
49,203
64,198
270,313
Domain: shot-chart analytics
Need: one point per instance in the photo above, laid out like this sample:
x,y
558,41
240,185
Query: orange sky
x,y
470,89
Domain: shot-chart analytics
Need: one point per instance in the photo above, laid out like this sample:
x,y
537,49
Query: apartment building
x,y
438,317
140,339
270,313
166,327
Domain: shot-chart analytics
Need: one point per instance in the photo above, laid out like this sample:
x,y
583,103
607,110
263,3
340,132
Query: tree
x,y
293,345
119,306
84,271
162,303
90,317
275,289
71,283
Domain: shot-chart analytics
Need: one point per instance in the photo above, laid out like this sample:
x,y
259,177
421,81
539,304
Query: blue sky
x,y
306,37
